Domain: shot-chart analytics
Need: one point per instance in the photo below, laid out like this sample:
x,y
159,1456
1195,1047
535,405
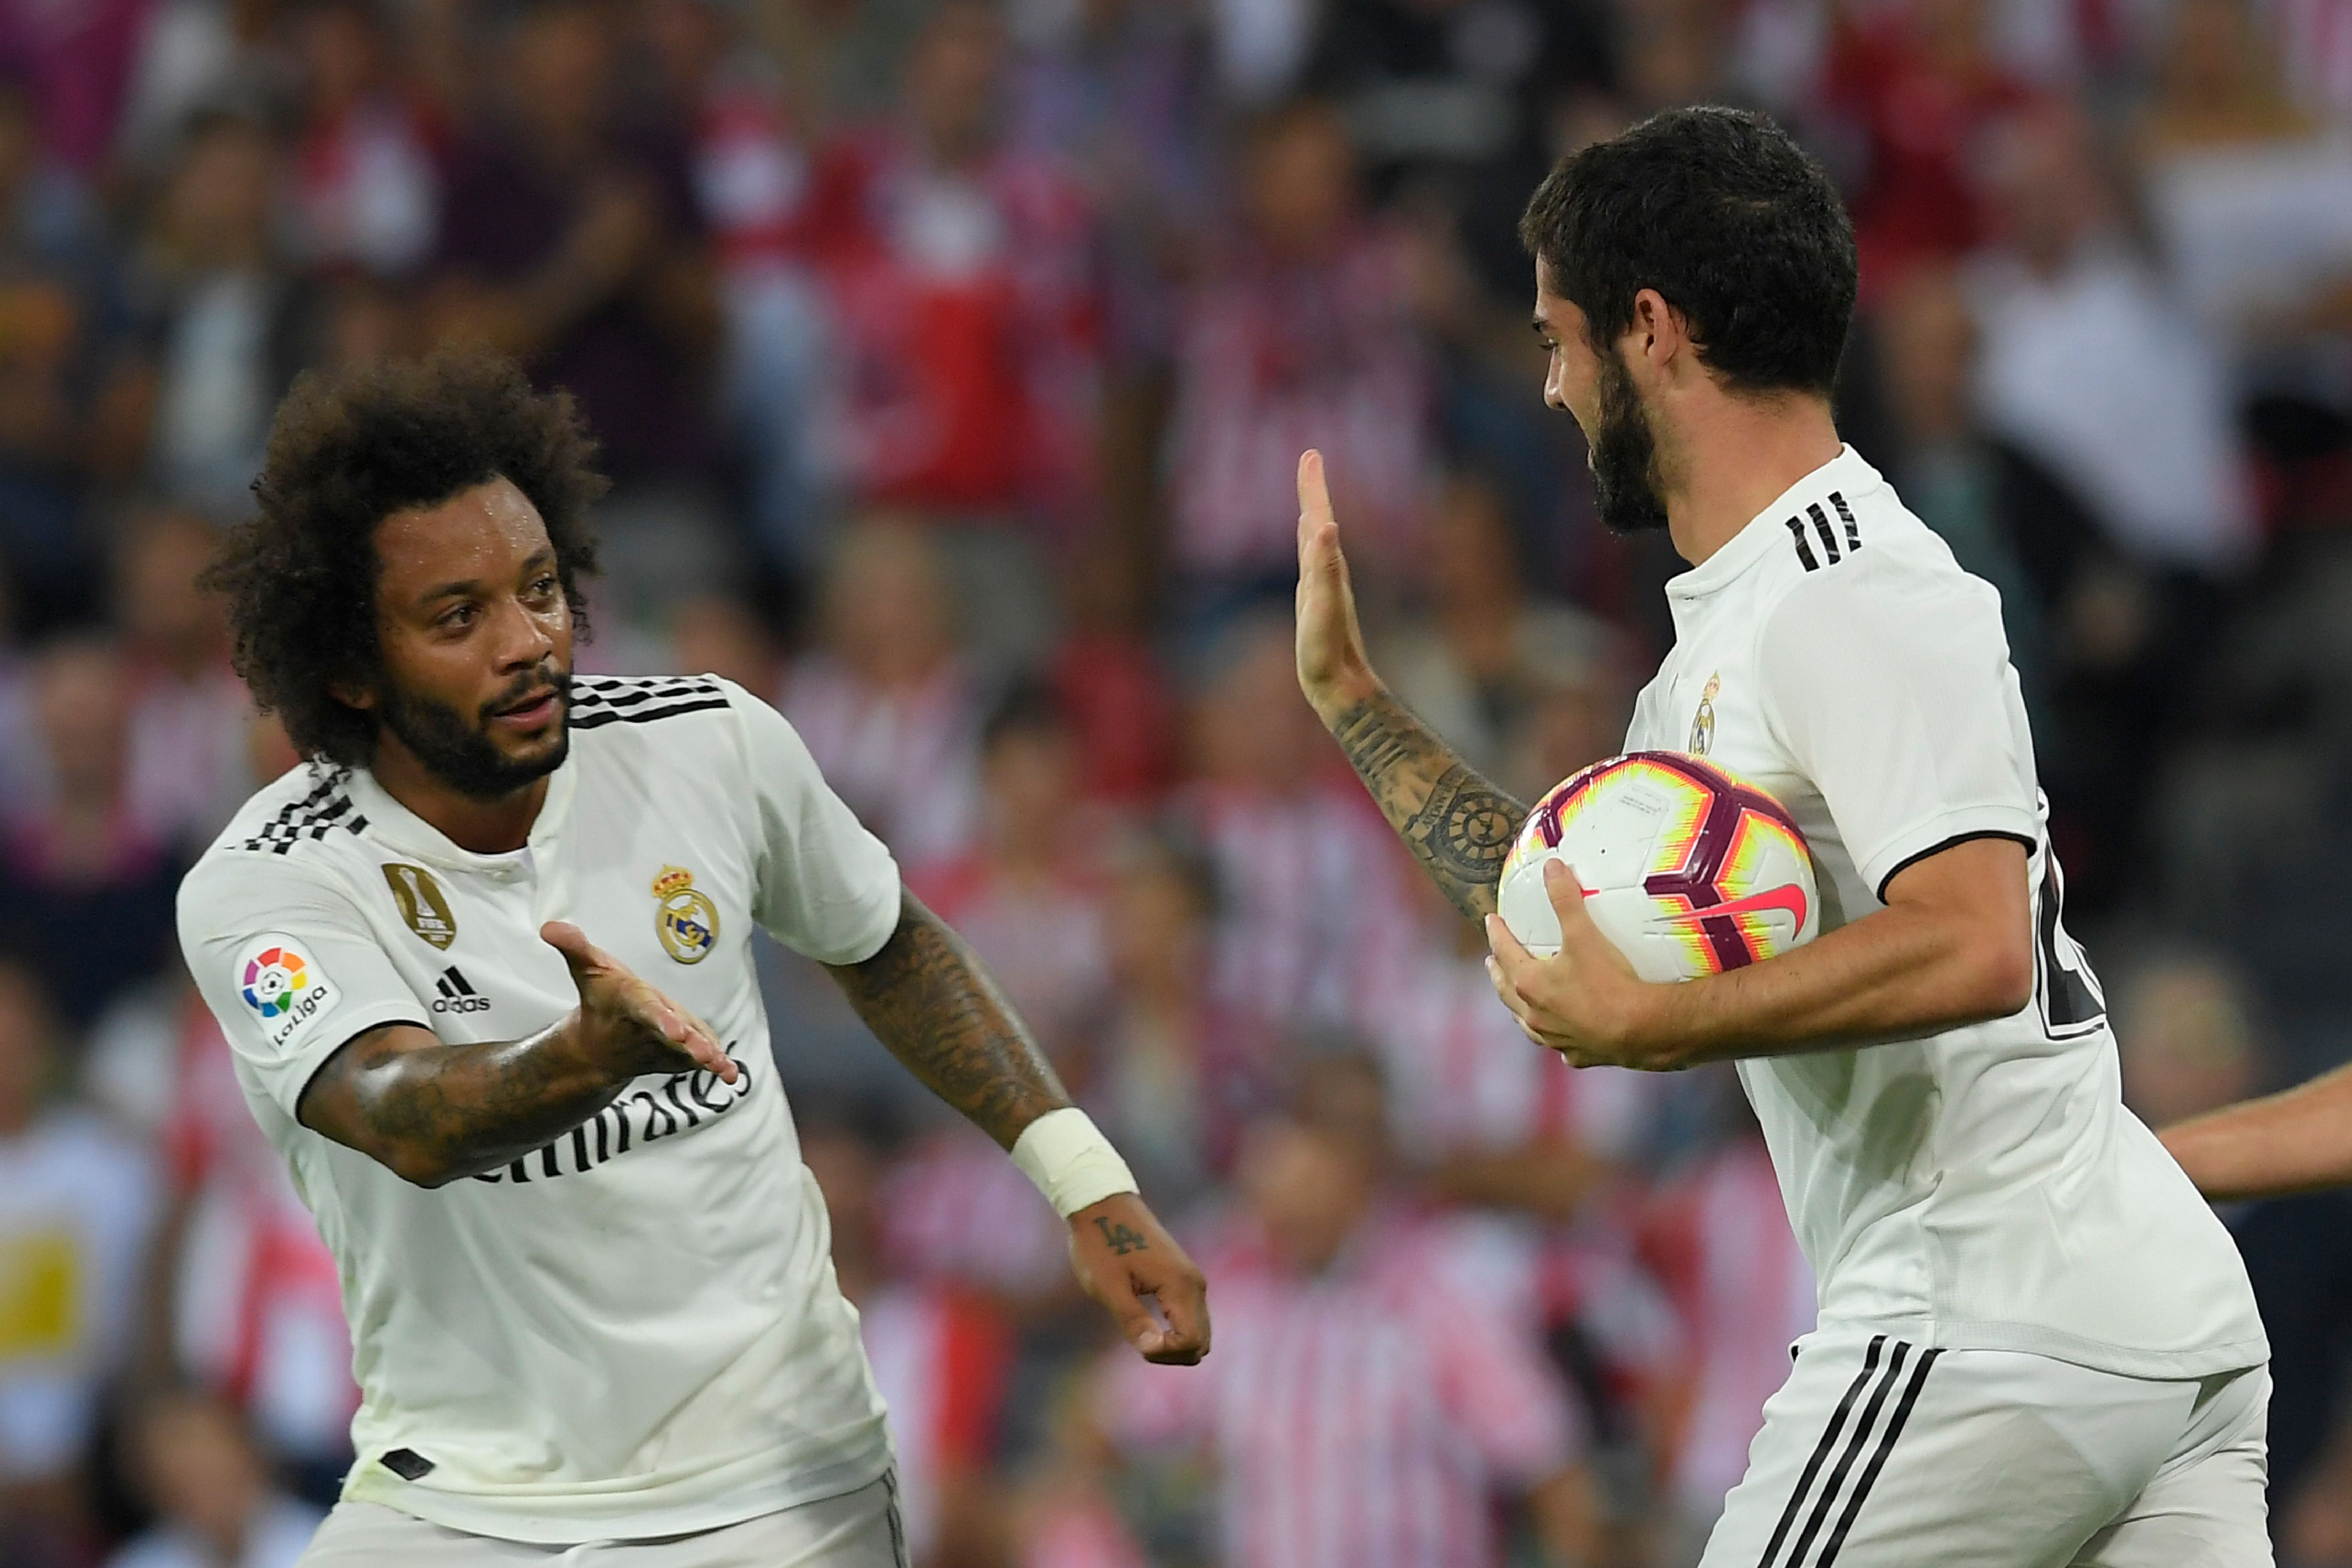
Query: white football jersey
x,y
635,1331
1984,1187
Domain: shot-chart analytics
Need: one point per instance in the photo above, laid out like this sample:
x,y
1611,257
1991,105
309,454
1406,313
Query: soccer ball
x,y
1687,867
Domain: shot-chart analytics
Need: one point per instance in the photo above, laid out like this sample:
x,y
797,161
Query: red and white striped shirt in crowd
x,y
907,762
1720,1238
956,1211
939,1357
1463,1078
1367,1417
1271,361
258,1306
1311,907
968,312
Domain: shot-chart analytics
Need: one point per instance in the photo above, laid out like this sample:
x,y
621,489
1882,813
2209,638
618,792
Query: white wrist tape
x,y
1069,1160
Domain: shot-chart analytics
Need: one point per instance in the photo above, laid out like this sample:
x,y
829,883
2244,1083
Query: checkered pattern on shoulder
x,y
327,806
601,699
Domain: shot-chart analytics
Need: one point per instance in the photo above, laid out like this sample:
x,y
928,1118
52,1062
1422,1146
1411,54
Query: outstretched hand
x,y
1129,1263
1333,668
625,1021
1587,1004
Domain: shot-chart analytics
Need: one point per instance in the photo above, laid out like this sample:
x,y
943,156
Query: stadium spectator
x,y
1456,99
755,180
211,1491
941,1357
964,278
223,316
1364,1405
2086,365
570,239
886,702
1122,89
1912,90
367,186
1179,1075
1480,660
78,872
61,371
189,764
76,1202
1310,900
2251,197
1302,334
1109,678
1027,895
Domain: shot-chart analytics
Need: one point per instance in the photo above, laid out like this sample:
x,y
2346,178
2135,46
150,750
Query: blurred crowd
x,y
950,359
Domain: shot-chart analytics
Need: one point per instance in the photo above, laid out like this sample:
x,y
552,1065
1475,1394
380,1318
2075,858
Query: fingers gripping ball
x,y
1689,869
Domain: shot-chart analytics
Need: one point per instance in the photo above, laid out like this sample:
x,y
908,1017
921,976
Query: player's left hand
x,y
1129,1263
1587,1004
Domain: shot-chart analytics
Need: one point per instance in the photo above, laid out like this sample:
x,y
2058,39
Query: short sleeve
x,y
1898,702
828,888
286,961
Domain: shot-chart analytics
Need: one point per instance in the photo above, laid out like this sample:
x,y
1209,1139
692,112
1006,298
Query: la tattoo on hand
x,y
1458,825
1121,1240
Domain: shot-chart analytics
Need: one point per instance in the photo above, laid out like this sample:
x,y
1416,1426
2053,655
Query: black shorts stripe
x,y
898,1526
1877,1460
1829,1436
1862,1430
596,720
1845,515
1804,550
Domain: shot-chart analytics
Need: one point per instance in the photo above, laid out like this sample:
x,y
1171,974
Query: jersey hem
x,y
575,1516
2033,1339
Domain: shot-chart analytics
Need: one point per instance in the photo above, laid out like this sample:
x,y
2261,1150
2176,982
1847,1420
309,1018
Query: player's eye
x,y
543,587
458,617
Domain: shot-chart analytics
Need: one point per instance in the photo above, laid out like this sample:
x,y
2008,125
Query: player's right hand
x,y
1334,671
627,1023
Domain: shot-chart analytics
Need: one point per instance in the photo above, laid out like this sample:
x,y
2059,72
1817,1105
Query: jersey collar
x,y
401,829
1765,532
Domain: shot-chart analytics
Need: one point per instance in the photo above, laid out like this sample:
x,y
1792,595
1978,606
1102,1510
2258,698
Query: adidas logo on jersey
x,y
456,996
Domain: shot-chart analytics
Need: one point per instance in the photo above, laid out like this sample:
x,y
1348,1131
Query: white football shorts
x,y
856,1529
1877,1453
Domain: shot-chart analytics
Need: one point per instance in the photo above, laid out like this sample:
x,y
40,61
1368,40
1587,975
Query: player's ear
x,y
352,694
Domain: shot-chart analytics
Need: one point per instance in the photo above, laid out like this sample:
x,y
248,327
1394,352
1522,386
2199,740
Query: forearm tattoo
x,y
929,1000
439,1112
1458,825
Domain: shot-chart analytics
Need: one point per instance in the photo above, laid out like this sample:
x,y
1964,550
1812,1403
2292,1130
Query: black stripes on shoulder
x,y
327,806
1825,532
601,699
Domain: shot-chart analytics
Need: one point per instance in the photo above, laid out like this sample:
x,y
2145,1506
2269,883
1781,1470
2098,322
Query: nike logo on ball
x,y
1789,896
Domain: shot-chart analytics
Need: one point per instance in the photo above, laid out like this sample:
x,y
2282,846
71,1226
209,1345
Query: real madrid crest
x,y
683,918
1703,722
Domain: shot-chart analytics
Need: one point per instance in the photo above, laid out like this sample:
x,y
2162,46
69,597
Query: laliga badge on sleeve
x,y
283,988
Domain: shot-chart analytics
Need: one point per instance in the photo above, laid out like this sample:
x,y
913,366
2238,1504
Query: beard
x,y
1624,456
461,754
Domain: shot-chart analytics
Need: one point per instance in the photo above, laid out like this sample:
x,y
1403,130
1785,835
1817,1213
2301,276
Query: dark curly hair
x,y
1727,219
346,451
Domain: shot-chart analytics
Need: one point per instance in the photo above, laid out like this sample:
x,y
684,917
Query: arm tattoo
x,y
930,1001
434,1112
1458,825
